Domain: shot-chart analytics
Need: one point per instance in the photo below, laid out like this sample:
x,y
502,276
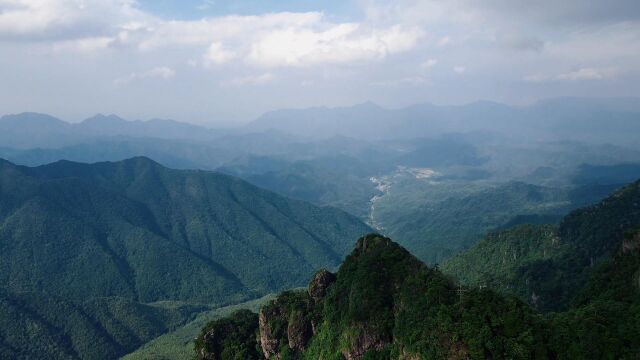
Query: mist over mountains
x,y
319,180
392,168
600,120
139,229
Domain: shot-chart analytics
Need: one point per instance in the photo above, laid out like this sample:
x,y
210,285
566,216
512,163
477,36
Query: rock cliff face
x,y
385,304
287,324
320,283
367,340
269,339
376,305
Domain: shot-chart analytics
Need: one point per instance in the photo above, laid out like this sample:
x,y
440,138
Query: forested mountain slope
x,y
138,231
385,304
547,265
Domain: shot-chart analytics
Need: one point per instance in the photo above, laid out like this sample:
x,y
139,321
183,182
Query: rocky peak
x,y
368,242
320,283
285,324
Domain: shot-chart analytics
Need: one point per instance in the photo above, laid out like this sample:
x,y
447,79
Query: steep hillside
x,y
178,344
72,234
384,304
456,216
41,326
547,265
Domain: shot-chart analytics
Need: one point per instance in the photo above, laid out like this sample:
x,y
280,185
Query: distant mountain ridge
x,y
551,119
29,130
600,120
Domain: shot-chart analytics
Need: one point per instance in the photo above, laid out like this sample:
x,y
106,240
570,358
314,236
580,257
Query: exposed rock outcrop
x,y
269,340
299,331
320,283
285,324
365,341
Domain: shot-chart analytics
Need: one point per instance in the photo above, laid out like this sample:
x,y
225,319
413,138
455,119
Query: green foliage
x,y
497,261
339,181
135,232
179,344
547,265
111,229
605,319
36,325
437,220
230,338
387,304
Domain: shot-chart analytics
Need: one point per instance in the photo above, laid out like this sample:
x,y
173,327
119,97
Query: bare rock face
x,y
299,331
371,241
320,283
285,325
269,341
366,340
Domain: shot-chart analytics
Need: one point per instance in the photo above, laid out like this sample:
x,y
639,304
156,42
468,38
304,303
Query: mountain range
x,y
600,120
72,234
383,303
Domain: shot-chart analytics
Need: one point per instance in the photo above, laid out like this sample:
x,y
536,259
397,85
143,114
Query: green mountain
x,y
178,344
41,326
437,221
73,233
547,265
383,303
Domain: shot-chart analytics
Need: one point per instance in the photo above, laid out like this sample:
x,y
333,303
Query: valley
x,y
383,185
319,180
145,232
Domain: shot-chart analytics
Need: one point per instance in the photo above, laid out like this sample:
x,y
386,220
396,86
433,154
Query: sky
x,y
227,61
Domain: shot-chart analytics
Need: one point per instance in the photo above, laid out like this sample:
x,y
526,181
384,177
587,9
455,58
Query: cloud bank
x,y
421,50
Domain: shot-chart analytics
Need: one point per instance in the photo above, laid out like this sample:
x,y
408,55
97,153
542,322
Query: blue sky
x,y
195,9
229,61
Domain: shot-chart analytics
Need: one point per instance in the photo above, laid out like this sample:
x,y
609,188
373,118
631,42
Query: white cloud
x,y
64,19
399,42
216,54
86,45
161,72
342,43
269,40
